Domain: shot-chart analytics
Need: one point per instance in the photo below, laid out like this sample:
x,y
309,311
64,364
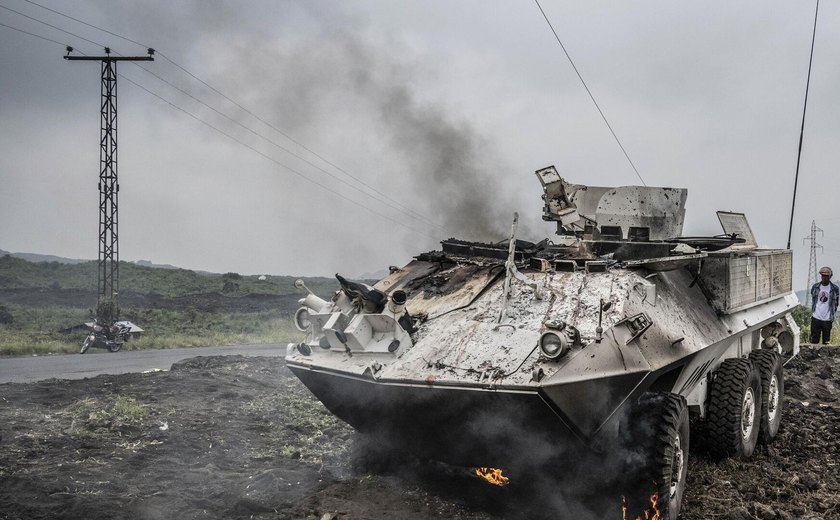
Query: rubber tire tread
x,y
668,413
723,423
769,362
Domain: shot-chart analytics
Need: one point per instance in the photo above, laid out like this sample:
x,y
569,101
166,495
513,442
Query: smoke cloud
x,y
415,150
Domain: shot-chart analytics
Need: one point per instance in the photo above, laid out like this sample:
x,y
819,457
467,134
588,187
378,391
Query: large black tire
x,y
660,427
732,423
770,368
86,345
114,347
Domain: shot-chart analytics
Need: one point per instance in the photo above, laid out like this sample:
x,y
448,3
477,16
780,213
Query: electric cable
x,y
223,132
802,128
51,25
84,23
272,159
604,117
281,147
401,207
290,138
33,34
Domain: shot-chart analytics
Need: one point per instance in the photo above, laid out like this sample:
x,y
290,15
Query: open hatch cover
x,y
736,223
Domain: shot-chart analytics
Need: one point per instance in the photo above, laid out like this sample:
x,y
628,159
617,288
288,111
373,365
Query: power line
x,y
232,137
32,34
281,147
51,25
401,207
590,93
802,129
84,23
290,138
272,159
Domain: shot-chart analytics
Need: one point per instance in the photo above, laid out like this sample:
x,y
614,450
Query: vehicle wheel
x,y
115,347
734,412
85,345
660,425
770,368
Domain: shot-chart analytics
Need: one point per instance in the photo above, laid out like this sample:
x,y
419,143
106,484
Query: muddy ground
x,y
231,437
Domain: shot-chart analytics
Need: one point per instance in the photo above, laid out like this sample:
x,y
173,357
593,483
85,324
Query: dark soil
x,y
234,437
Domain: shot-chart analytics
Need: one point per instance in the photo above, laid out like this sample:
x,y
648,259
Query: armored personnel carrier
x,y
621,329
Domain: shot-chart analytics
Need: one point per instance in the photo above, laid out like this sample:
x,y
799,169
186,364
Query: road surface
x,y
99,361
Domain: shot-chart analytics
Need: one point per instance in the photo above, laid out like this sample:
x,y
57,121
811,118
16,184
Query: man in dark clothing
x,y
825,297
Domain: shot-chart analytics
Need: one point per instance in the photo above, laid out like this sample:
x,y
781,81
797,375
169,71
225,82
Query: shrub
x,y
6,317
107,310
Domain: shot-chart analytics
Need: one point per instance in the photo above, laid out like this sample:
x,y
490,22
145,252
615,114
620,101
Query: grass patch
x,y
111,413
307,431
35,330
802,316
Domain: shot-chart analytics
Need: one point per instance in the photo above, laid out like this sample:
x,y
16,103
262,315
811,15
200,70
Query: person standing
x,y
825,297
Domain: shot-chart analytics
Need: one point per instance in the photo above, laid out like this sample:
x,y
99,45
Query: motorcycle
x,y
104,336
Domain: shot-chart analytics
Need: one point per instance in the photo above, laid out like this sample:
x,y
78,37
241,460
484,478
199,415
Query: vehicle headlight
x,y
553,345
302,321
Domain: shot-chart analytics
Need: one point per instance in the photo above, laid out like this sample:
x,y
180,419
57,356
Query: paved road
x,y
100,361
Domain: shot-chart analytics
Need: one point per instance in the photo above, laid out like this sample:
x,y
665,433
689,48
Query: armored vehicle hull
x,y
488,355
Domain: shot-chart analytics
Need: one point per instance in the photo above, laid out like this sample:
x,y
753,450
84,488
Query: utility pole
x,y
109,257
812,263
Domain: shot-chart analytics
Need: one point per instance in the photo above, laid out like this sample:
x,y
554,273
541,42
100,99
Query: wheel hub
x,y
747,414
676,465
773,398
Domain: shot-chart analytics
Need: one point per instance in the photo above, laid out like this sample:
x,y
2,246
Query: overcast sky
x,y
444,108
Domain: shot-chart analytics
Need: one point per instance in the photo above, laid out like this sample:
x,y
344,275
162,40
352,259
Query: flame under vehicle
x,y
480,353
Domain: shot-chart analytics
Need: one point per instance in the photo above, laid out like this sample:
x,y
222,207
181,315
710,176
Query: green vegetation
x,y
38,330
111,412
318,434
172,283
802,316
41,325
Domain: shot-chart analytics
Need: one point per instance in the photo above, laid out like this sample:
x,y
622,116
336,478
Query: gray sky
x,y
445,107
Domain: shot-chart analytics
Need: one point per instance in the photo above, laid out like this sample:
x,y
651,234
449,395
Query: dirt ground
x,y
234,437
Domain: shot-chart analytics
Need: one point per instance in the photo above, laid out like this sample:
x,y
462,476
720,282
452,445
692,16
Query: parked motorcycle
x,y
102,335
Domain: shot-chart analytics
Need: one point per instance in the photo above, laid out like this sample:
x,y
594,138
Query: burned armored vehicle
x,y
488,354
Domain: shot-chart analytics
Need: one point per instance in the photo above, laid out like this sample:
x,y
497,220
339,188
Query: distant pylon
x,y
812,262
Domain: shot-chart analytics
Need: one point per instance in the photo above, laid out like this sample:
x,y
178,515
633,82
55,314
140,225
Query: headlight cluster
x,y
554,344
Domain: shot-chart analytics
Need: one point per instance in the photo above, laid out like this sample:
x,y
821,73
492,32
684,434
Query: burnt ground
x,y
208,302
234,437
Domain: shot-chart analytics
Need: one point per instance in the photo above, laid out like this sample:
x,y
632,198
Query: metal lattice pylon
x,y
812,262
109,253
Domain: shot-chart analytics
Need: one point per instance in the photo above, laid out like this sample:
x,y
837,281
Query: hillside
x,y
17,273
42,303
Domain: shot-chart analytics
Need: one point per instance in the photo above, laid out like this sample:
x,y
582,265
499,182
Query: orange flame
x,y
493,476
649,514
